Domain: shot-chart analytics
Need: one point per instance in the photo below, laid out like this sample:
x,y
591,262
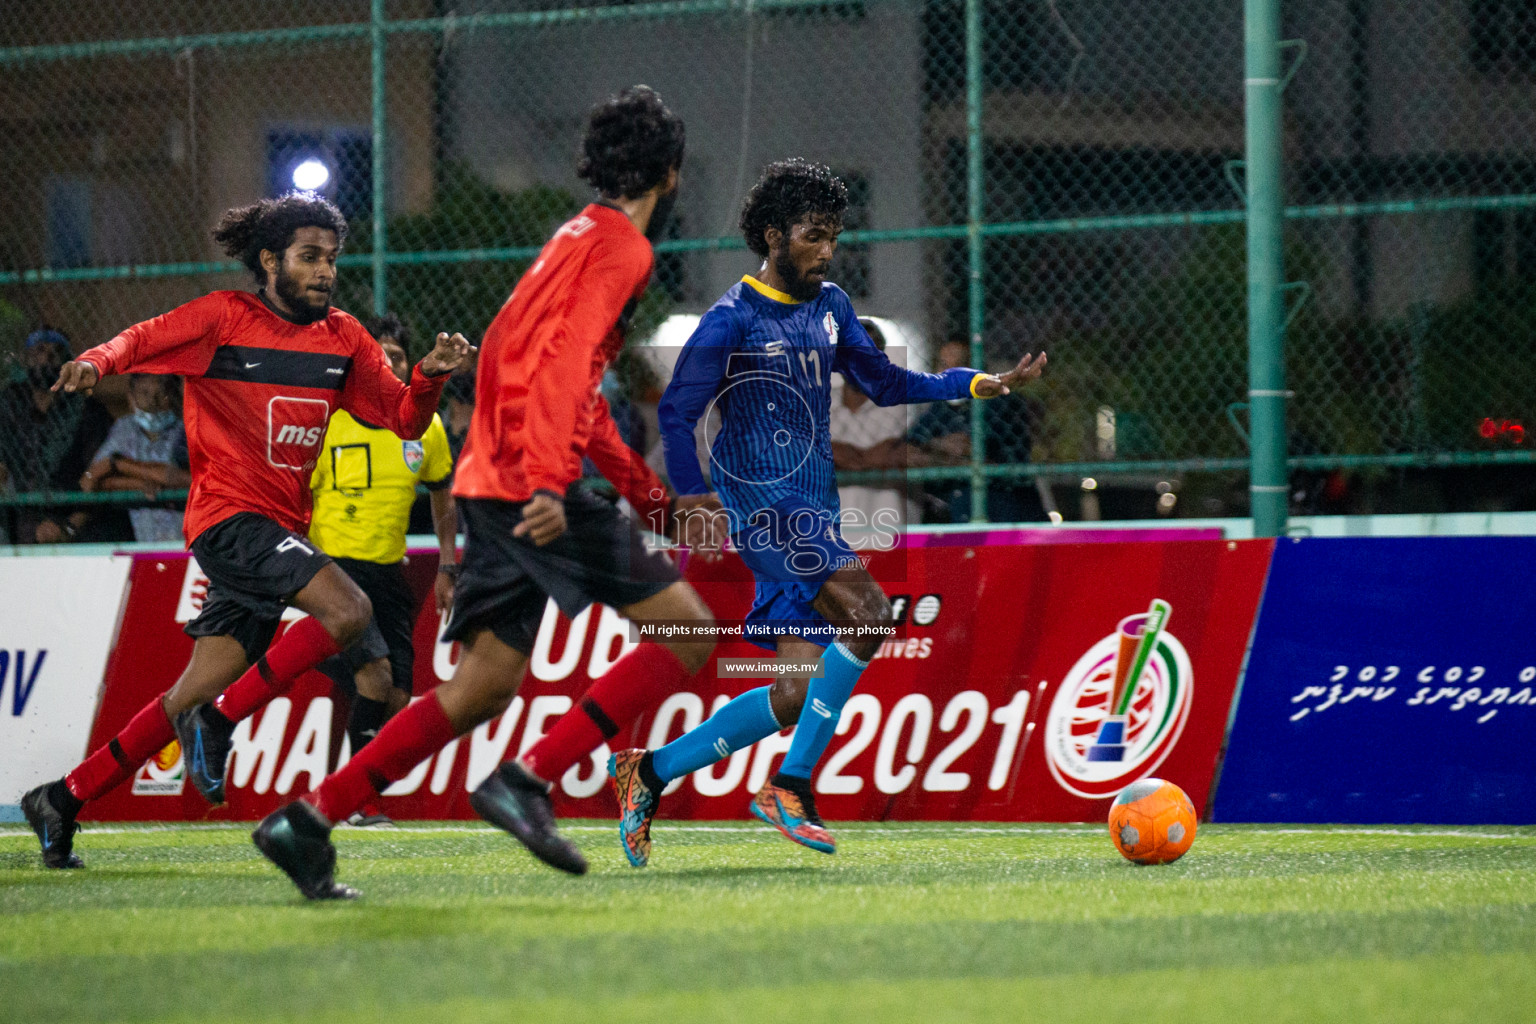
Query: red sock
x,y
406,740
639,682
113,764
305,645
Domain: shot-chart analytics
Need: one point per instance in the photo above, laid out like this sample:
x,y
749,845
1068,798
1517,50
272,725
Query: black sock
x,y
65,802
794,783
365,721
653,782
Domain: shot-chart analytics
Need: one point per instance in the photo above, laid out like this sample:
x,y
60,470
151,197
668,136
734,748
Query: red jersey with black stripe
x,y
260,390
538,408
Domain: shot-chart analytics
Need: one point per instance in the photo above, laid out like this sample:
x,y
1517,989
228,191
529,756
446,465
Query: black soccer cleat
x,y
54,830
512,799
205,737
298,840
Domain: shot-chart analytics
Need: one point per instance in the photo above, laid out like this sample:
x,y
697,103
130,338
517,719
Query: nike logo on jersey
x,y
325,371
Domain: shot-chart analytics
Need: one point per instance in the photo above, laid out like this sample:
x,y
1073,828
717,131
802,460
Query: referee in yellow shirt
x,y
364,485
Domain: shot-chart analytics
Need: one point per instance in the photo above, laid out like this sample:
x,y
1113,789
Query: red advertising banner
x,y
1027,683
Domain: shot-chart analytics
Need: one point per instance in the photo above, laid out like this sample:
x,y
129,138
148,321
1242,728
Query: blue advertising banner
x,y
1390,680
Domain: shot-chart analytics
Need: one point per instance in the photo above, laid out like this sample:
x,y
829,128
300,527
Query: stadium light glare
x,y
311,174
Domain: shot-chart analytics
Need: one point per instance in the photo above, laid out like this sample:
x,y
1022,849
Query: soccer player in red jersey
x,y
529,535
264,372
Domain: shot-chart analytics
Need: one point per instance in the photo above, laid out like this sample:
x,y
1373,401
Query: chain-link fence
x,y
1061,175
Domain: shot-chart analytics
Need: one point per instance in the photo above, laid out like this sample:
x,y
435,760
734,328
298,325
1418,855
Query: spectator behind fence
x,y
868,436
140,455
36,424
942,437
85,524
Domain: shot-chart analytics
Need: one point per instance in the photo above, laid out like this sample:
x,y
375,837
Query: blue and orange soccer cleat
x,y
793,812
637,804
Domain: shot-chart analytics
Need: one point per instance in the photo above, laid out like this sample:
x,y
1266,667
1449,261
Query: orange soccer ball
x,y
1152,822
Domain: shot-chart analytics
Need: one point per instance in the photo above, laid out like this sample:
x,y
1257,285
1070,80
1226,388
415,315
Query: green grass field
x,y
922,923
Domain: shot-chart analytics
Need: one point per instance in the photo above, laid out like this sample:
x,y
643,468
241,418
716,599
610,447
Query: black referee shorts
x,y
254,567
391,630
505,580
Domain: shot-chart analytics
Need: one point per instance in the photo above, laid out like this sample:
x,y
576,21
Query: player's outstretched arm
x,y
373,393
76,376
888,384
448,355
181,341
991,385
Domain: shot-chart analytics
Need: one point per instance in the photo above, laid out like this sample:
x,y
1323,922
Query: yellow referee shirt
x,y
365,483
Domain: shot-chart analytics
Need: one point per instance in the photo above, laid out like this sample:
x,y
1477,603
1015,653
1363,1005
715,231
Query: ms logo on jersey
x,y
1121,708
295,430
829,324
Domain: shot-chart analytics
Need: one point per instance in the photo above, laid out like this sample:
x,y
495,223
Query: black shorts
x,y
390,631
254,567
505,580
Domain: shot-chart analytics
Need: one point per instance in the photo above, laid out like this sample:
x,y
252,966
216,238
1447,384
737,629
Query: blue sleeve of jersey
x,y
696,380
884,381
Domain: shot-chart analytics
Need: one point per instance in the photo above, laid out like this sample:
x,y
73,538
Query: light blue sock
x,y
740,723
824,702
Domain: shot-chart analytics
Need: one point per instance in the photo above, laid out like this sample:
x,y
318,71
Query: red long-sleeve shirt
x,y
538,408
259,392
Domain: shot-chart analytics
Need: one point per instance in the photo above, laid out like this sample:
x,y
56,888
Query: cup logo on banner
x,y
1121,708
161,775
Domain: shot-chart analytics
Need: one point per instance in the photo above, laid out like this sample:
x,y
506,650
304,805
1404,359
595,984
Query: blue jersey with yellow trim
x,y
765,362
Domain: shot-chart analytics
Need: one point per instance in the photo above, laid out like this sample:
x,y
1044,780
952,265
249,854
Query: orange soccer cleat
x,y
637,804
793,812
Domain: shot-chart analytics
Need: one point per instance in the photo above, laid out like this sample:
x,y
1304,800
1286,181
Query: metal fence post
x,y
1266,272
975,211
380,177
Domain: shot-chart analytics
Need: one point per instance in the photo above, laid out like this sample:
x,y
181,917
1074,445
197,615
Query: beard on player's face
x,y
307,301
805,255
797,283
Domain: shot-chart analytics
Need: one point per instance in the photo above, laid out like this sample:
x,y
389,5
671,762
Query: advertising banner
x,y
1026,682
58,623
1391,680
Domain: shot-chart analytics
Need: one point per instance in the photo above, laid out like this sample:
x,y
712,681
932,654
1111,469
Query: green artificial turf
x,y
908,922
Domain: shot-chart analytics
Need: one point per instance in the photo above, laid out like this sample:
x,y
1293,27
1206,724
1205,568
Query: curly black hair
x,y
632,142
244,231
788,192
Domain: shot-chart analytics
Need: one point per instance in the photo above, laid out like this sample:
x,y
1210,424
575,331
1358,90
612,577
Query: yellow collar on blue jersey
x,y
771,292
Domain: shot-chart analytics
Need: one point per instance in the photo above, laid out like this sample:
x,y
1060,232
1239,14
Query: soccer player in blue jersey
x,y
763,357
